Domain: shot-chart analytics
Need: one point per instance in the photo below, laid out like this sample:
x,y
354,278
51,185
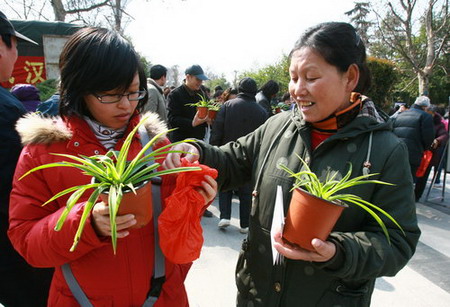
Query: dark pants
x,y
245,203
24,286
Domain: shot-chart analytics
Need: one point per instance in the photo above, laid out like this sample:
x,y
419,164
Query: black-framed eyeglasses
x,y
112,98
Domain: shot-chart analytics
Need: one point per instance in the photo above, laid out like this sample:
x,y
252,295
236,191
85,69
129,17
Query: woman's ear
x,y
352,77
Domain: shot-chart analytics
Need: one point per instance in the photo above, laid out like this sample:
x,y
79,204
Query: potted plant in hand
x,y
202,106
317,205
213,108
118,178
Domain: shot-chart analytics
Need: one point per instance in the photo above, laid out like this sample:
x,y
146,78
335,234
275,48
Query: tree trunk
x,y
424,83
59,10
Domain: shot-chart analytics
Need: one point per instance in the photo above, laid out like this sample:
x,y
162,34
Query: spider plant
x,y
215,106
329,188
112,174
203,102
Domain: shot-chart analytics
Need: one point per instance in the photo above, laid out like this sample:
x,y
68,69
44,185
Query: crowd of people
x,y
325,118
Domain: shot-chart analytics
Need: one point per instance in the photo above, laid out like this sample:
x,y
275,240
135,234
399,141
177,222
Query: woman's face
x,y
318,88
114,115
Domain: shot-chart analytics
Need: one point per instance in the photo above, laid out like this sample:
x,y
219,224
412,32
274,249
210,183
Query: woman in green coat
x,y
332,124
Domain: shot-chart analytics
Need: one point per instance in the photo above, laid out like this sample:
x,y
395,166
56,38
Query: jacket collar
x,y
35,129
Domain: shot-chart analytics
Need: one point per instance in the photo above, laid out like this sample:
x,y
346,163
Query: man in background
x,y
20,284
156,102
415,128
236,118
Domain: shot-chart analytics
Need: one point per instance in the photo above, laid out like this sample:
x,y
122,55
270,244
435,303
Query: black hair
x,y
341,46
286,96
6,38
96,60
270,88
157,72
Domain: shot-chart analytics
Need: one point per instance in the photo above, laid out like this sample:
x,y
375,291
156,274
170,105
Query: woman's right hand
x,y
173,159
101,222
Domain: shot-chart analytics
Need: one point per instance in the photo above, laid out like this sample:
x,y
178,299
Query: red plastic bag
x,y
426,158
180,231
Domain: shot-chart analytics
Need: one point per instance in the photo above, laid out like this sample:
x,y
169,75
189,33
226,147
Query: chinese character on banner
x,y
35,70
28,69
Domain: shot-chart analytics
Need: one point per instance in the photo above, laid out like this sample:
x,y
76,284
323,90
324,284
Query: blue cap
x,y
197,71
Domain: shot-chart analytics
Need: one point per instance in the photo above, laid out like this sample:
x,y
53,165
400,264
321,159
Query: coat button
x,y
76,144
277,287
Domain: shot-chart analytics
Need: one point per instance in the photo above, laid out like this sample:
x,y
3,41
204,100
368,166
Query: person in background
x,y
28,95
103,89
287,100
415,128
437,147
20,284
330,126
399,107
265,95
229,93
184,117
237,117
156,102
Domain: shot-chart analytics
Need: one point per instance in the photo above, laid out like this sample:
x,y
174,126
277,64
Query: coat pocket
x,y
344,295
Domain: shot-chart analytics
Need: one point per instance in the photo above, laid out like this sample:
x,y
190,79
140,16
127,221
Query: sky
x,y
224,36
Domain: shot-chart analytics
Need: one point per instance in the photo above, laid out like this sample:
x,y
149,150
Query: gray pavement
x,y
425,281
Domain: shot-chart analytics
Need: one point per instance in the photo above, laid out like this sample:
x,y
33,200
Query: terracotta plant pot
x,y
309,217
202,112
139,204
212,114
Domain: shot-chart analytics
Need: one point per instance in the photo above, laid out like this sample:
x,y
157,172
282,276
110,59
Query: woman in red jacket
x,y
103,88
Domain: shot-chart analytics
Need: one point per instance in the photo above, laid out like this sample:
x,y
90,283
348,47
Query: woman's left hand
x,y
325,250
208,189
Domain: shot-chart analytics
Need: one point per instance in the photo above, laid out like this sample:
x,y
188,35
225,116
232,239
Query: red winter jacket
x,y
107,279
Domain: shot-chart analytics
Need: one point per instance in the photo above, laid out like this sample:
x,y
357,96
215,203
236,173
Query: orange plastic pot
x,y
212,114
202,112
139,204
310,217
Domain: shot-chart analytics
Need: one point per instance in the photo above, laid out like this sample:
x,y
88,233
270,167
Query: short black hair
x,y
157,72
6,38
96,60
270,88
341,46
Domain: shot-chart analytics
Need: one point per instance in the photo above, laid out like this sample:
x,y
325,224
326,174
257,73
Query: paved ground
x,y
425,281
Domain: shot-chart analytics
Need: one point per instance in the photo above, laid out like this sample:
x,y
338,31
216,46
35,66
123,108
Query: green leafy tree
x,y
418,48
359,18
215,80
384,78
278,72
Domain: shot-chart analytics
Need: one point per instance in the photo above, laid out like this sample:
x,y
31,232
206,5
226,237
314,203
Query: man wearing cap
x,y
20,284
181,115
156,102
415,128
236,118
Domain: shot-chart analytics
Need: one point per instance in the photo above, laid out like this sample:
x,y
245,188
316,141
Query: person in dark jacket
x,y
20,284
437,147
332,124
236,118
182,116
28,95
415,128
265,95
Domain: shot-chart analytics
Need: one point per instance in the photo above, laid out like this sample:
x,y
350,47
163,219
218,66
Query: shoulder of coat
x,y
36,129
154,125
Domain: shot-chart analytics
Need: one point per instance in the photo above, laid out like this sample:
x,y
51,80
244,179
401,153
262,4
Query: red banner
x,y
28,69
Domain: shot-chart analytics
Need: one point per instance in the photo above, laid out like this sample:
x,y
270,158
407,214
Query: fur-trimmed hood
x,y
36,129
